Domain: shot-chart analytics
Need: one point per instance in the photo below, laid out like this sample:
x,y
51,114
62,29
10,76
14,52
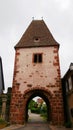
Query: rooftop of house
x,y
1,77
37,35
69,71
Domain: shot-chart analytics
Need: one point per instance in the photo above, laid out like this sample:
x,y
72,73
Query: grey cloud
x,y
16,15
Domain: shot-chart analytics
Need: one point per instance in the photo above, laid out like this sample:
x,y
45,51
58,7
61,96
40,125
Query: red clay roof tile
x,y
37,35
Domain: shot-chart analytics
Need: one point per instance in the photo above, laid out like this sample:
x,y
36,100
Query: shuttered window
x,y
37,58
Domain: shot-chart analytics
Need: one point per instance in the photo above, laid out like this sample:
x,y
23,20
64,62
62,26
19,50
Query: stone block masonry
x,y
29,76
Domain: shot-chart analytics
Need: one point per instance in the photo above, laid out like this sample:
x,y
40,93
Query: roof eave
x,y
17,47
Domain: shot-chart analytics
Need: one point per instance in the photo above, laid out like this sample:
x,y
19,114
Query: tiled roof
x,y
1,77
37,35
69,71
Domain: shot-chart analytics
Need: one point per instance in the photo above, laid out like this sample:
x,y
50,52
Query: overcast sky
x,y
16,15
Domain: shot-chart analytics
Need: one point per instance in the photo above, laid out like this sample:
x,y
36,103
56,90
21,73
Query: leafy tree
x,y
32,104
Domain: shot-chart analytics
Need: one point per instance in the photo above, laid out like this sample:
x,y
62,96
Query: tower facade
x,y
37,73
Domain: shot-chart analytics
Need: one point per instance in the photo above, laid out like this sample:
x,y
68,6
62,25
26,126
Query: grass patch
x,y
44,115
3,123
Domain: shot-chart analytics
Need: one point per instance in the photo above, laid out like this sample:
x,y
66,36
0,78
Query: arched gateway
x,y
30,93
37,73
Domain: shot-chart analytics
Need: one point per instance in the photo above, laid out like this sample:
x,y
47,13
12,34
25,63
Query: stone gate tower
x,y
37,73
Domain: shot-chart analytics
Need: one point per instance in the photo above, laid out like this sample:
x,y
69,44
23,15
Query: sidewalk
x,y
14,127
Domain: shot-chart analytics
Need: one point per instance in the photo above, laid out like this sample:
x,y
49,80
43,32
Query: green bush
x,y
44,115
68,124
35,110
2,121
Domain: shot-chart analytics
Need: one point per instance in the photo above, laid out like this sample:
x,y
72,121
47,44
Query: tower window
x,y
37,58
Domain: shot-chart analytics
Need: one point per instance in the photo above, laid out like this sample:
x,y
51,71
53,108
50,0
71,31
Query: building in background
x,y
1,77
67,83
40,101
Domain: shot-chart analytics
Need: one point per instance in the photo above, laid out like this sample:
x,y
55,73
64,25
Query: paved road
x,y
35,122
35,118
33,126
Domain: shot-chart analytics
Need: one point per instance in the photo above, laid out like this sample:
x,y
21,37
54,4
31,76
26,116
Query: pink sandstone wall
x,y
29,74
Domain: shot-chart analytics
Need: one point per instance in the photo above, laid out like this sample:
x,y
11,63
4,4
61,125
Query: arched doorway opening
x,y
45,97
37,110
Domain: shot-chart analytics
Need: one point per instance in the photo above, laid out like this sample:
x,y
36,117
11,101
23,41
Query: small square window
x,y
37,58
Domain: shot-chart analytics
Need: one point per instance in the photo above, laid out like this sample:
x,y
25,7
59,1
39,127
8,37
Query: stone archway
x,y
20,102
43,94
